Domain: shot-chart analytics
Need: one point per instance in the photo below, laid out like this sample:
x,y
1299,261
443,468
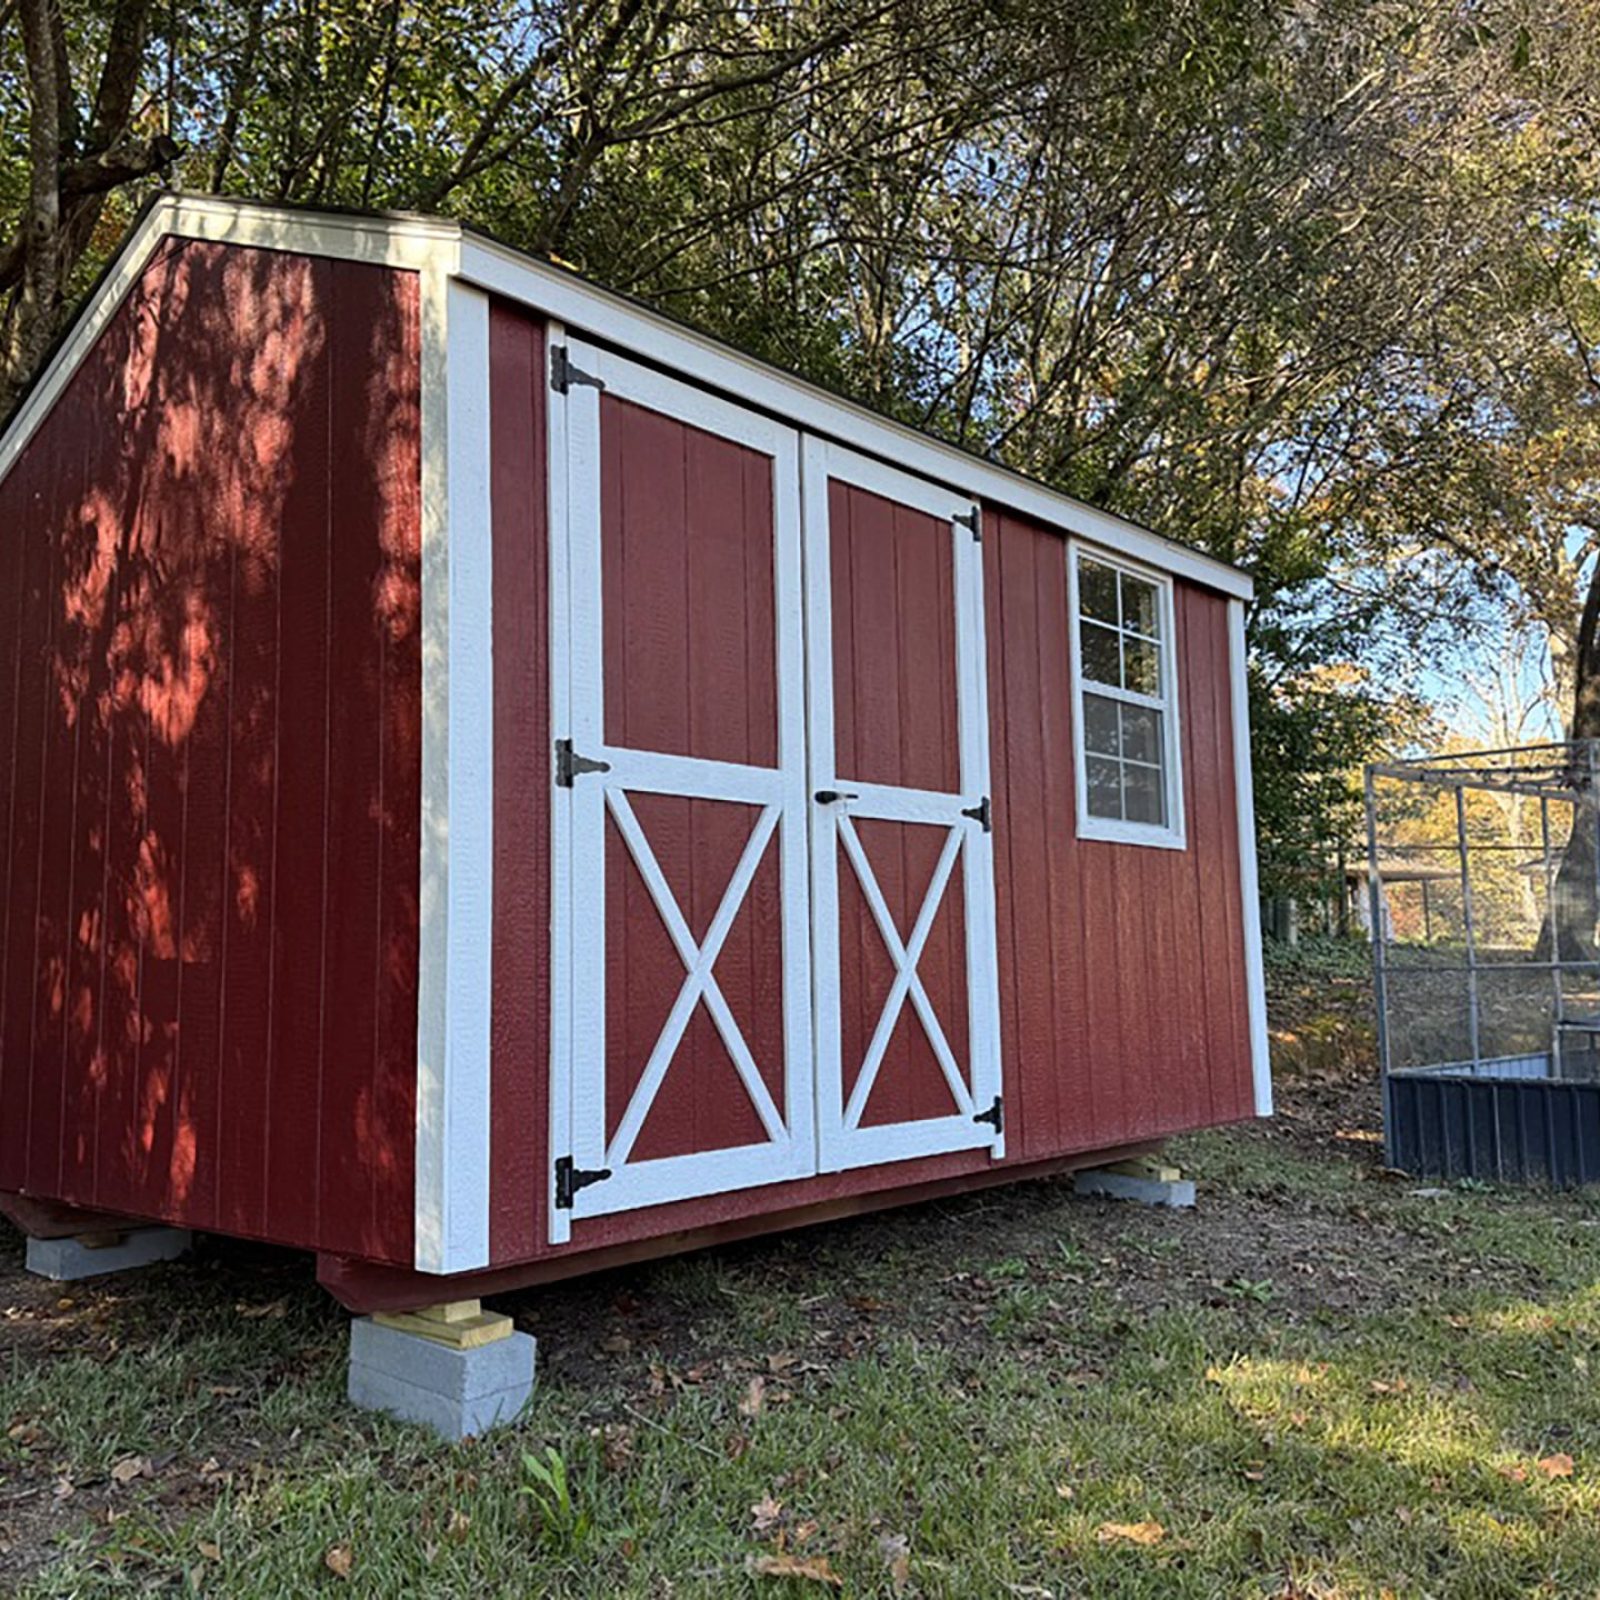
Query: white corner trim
x,y
586,309
457,868
1172,835
1249,885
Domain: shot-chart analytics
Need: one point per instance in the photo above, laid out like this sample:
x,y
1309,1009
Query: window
x,y
1129,785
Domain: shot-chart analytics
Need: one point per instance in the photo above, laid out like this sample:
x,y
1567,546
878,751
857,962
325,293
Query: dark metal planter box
x,y
1501,1127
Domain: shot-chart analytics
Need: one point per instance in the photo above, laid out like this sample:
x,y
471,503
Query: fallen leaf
x,y
64,1489
1130,1533
618,1344
812,1569
273,1308
896,1551
24,1433
765,1514
735,1446
1065,1491
212,1552
617,1446
129,1468
755,1398
1557,1466
1389,1386
340,1560
1516,1473
457,1526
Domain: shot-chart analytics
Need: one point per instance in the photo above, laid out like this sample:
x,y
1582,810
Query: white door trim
x,y
842,1141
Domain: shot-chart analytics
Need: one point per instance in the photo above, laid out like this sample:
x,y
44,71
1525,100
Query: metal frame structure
x,y
1482,1111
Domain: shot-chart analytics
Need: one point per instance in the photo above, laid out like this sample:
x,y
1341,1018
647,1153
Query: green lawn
x,y
1320,1383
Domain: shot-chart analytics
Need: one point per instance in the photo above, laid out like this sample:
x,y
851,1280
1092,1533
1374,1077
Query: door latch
x,y
831,797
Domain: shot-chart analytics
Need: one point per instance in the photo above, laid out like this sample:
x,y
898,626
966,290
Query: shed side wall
x,y
209,759
1122,968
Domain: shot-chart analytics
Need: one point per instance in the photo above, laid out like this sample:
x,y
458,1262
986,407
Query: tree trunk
x,y
1569,929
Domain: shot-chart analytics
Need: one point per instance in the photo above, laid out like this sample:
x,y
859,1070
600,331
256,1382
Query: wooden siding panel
x,y
686,558
193,1032
520,1015
1106,999
1123,992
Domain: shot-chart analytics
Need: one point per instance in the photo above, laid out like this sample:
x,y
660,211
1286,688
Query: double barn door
x,y
774,914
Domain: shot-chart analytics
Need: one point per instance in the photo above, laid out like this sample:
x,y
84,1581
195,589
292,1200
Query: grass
x,y
1325,1382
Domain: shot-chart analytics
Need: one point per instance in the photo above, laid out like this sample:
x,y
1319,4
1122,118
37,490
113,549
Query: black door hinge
x,y
995,1114
979,814
972,521
570,1179
563,374
569,764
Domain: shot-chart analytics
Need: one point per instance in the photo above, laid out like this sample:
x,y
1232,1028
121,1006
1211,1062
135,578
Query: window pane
x,y
1097,591
1142,795
1101,656
1141,734
1104,786
1100,725
1141,666
1139,610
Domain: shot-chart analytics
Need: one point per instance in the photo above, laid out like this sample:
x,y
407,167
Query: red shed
x,y
494,782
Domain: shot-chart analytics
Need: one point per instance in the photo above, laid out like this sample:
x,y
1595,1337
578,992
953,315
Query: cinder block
x,y
1145,1191
67,1260
456,1392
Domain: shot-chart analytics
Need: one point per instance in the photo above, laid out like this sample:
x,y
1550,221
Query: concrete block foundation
x,y
95,1255
458,1391
1146,1183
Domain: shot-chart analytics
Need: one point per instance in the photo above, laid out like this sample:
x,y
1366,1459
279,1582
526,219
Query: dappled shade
x,y
209,682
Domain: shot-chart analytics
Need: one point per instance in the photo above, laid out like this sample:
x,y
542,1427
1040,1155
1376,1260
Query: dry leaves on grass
x,y
766,1514
1130,1533
895,1549
340,1560
806,1569
755,1398
1557,1466
129,1468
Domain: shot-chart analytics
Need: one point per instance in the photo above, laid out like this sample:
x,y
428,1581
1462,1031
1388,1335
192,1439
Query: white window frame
x,y
1170,835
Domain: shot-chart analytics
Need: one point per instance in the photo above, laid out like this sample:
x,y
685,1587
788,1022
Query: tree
x,y
78,152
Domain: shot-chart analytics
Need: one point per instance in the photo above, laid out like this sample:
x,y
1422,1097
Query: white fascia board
x,y
1249,884
583,308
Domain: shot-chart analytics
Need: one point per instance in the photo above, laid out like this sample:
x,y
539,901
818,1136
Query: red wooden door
x,y
907,1001
682,1061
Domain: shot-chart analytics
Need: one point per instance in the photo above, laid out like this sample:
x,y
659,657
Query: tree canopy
x,y
1311,286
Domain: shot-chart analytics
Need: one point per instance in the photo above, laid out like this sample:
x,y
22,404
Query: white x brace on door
x,y
902,860
677,631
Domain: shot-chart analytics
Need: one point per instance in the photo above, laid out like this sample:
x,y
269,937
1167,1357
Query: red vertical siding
x,y
208,810
1121,967
520,1019
1122,987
